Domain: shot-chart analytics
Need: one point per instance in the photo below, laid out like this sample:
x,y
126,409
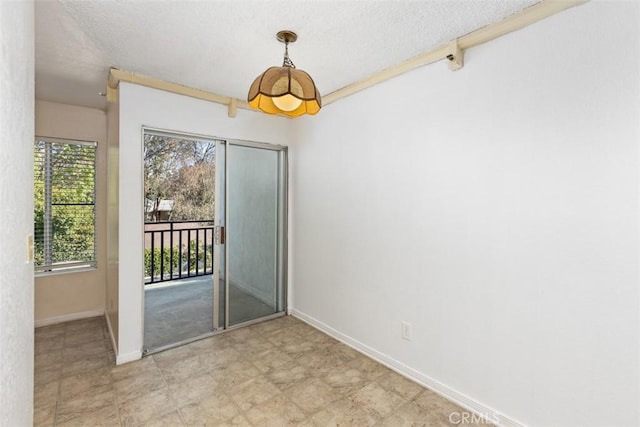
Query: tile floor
x,y
276,373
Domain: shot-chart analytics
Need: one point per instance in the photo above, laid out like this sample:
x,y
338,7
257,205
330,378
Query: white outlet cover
x,y
406,331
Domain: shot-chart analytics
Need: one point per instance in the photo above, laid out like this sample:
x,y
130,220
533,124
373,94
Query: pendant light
x,y
285,90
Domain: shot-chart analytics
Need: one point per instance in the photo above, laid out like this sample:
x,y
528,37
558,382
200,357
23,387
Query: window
x,y
64,204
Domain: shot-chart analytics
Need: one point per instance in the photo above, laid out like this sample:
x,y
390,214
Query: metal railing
x,y
177,250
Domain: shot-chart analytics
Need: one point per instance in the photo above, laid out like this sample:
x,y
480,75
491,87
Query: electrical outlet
x,y
406,331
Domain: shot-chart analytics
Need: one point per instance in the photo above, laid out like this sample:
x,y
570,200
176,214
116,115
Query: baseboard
x,y
129,357
113,338
484,411
68,318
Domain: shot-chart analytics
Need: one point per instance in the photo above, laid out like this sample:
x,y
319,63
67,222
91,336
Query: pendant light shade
x,y
285,90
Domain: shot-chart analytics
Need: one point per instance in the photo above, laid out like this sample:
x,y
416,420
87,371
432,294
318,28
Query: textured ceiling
x,y
221,46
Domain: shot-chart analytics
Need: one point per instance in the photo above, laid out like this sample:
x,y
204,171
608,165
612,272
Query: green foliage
x,y
181,170
189,259
200,258
72,210
165,255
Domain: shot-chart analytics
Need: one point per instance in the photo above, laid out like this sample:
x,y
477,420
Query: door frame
x,y
282,255
283,227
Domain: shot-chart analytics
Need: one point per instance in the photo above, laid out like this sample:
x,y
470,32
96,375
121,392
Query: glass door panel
x,y
180,255
255,232
215,236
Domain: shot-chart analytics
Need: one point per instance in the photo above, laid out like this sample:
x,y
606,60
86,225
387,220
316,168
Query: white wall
x,y
494,208
62,297
141,106
16,209
112,210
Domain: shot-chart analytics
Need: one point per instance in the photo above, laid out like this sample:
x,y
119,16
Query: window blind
x,y
64,204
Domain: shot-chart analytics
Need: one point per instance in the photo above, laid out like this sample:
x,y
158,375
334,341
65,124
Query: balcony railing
x,y
177,250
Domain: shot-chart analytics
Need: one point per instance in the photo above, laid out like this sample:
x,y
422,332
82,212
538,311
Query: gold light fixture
x,y
285,90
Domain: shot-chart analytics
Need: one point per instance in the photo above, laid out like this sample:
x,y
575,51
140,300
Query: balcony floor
x,y
183,309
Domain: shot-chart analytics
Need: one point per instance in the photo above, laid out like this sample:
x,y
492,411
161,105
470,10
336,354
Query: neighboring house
x,y
158,210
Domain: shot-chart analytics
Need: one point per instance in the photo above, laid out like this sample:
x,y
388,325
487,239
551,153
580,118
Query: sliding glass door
x,y
255,231
180,210
215,236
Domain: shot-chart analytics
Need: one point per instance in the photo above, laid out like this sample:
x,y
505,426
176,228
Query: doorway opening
x,y
212,207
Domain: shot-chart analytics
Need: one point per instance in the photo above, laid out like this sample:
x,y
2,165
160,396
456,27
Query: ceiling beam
x,y
452,52
482,35
526,17
116,76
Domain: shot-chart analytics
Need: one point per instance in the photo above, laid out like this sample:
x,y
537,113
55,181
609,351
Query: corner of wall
x,y
113,143
16,209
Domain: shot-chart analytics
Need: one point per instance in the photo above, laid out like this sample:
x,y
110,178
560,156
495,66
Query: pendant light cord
x,y
287,61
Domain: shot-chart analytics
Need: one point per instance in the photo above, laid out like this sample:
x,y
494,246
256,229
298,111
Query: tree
x,y
64,202
182,170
